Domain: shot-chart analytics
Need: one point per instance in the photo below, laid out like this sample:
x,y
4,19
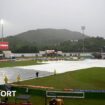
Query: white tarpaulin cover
x,y
29,72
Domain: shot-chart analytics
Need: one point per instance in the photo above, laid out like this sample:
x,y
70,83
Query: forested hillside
x,y
58,39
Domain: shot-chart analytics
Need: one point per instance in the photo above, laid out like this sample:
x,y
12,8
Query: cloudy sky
x,y
24,15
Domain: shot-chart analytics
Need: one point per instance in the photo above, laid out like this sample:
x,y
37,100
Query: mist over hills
x,y
58,39
45,36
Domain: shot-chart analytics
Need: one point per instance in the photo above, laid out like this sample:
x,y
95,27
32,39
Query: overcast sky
x,y
24,15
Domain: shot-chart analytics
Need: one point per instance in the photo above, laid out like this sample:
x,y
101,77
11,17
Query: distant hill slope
x,y
46,36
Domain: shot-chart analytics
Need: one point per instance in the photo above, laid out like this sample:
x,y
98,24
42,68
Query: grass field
x,y
93,78
17,63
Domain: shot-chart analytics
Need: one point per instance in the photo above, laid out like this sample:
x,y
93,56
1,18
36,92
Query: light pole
x,y
2,28
83,29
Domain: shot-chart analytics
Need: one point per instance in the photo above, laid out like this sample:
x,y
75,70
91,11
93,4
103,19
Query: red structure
x,y
4,46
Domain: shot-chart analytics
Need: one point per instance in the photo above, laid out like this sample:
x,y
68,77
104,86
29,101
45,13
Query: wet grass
x,y
17,63
93,78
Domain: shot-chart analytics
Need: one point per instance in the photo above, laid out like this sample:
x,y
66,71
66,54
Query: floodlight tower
x,y
2,28
83,29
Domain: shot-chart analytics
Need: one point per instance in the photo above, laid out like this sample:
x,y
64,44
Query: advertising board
x,y
4,46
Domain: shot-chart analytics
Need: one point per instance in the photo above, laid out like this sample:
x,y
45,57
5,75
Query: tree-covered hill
x,y
58,39
47,36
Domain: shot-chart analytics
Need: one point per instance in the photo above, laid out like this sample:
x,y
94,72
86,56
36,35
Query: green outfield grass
x,y
93,78
17,63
